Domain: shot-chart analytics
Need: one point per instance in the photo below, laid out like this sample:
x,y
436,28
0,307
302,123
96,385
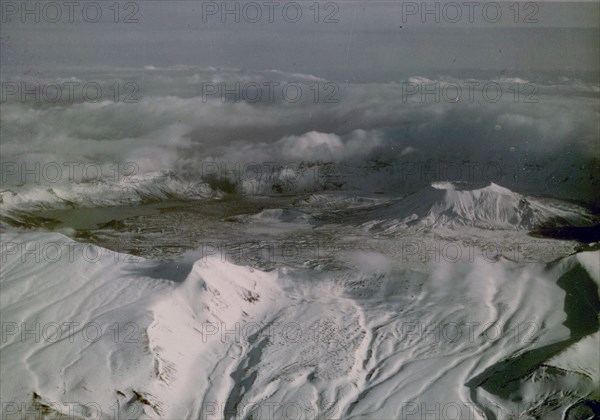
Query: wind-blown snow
x,y
375,340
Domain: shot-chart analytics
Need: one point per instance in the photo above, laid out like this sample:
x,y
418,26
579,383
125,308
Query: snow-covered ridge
x,y
490,207
153,187
139,345
223,341
143,188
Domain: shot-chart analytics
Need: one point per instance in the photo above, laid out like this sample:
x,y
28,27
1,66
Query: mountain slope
x,y
490,207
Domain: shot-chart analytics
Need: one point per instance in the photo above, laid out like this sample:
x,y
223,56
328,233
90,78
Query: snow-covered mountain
x,y
490,207
209,339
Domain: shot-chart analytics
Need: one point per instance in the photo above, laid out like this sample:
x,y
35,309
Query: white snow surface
x,y
228,341
490,207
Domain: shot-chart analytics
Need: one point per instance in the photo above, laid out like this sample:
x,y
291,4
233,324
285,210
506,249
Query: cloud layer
x,y
175,126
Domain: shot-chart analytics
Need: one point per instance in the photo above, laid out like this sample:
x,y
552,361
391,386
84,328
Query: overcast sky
x,y
173,47
371,41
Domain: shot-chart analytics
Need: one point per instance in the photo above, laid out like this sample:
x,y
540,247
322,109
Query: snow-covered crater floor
x,y
389,326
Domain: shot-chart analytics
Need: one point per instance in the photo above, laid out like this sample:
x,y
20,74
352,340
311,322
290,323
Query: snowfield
x,y
92,333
